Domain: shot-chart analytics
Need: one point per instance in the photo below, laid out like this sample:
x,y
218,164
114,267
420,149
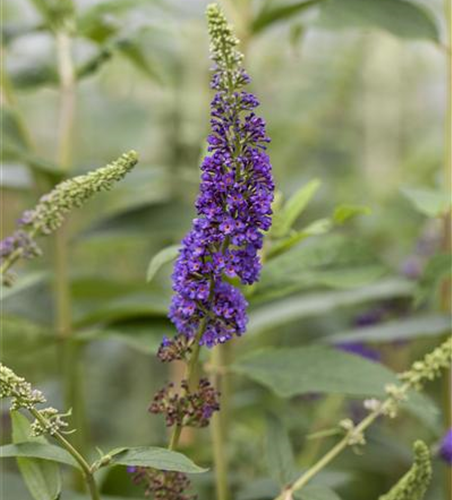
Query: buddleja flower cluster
x,y
414,484
162,485
234,209
192,409
22,395
234,205
49,213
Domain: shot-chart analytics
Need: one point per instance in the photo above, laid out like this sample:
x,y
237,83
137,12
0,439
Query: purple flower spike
x,y
445,450
233,206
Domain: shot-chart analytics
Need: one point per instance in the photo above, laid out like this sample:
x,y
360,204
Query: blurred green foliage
x,y
353,94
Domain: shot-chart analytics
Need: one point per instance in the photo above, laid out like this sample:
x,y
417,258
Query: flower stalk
x,y
47,420
87,471
218,426
223,246
415,378
50,212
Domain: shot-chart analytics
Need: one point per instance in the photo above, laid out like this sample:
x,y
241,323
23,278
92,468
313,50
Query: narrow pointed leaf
x,y
159,458
316,492
166,255
44,451
289,372
429,202
293,208
286,311
280,458
42,477
316,228
404,329
272,15
135,54
402,18
343,213
330,260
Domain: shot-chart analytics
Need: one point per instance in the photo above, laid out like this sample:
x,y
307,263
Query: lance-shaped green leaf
x,y
158,458
277,13
316,228
316,492
343,213
42,477
283,312
92,65
402,18
404,329
266,488
41,450
102,19
280,458
292,371
132,50
330,260
429,202
15,145
285,218
163,257
54,12
437,271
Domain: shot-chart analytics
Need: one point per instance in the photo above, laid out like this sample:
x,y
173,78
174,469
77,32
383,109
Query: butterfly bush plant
x,y
217,263
234,209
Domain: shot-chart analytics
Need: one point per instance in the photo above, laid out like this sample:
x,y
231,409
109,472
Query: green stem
x,y
63,320
84,465
191,374
218,429
336,450
67,105
10,261
70,358
66,72
327,409
175,436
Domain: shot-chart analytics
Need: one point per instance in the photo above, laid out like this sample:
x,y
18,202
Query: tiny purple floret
x,y
445,449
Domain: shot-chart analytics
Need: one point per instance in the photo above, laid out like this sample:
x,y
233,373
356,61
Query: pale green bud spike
x,y
49,214
18,389
22,395
223,49
430,367
414,484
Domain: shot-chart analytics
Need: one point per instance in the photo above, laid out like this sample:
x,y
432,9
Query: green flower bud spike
x,y
430,367
414,484
223,42
50,212
23,396
47,420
